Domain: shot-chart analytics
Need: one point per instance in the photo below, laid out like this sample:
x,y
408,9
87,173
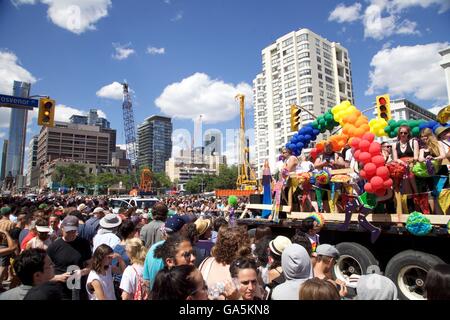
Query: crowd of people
x,y
421,159
74,248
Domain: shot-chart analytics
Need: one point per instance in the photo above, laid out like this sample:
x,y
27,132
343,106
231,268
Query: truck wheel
x,y
354,259
408,270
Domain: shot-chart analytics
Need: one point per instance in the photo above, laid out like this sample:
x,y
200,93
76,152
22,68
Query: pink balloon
x,y
388,183
362,173
370,169
383,172
378,161
377,183
364,145
375,149
365,157
355,142
368,187
368,137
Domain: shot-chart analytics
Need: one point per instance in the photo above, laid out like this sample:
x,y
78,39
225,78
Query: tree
x,y
70,176
161,180
227,177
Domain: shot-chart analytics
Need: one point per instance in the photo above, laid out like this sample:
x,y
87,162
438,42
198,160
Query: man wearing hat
x,y
93,223
151,233
107,232
327,255
68,251
204,244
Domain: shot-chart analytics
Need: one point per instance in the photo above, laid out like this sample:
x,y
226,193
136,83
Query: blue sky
x,y
189,57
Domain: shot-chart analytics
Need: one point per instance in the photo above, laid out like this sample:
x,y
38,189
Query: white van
x,y
127,202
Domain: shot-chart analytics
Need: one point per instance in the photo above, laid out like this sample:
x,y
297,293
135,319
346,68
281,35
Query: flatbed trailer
x,y
398,254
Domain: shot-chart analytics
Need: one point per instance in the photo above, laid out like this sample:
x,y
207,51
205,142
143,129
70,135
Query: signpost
x,y
18,102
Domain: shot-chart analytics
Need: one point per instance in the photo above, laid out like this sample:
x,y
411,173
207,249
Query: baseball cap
x,y
174,224
328,250
70,223
42,229
5,210
278,244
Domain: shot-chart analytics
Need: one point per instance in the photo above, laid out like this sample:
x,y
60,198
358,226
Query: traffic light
x,y
295,117
384,107
46,115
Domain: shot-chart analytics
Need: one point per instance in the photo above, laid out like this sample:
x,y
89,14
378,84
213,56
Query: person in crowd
x,y
326,257
329,159
176,250
153,264
151,232
99,284
386,151
311,229
302,239
204,229
304,164
182,282
55,231
93,223
218,222
261,255
69,251
47,291
6,225
437,283
375,287
28,226
42,239
109,225
443,136
33,267
318,289
132,282
297,268
6,250
244,271
232,243
276,248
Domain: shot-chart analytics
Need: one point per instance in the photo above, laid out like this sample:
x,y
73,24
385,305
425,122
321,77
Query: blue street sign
x,y
18,102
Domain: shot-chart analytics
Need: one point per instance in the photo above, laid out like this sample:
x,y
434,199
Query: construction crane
x,y
246,179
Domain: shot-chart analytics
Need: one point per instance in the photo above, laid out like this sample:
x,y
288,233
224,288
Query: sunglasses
x,y
188,254
403,133
389,147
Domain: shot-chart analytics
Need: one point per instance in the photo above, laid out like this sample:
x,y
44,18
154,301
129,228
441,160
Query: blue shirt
x,y
152,265
120,249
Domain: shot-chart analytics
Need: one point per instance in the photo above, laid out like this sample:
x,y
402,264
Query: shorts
x,y
4,259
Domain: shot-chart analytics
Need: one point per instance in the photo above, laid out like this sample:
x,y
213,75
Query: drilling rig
x,y
246,176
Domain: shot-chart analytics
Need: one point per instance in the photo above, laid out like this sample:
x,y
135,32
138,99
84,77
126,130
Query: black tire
x,y
354,259
408,270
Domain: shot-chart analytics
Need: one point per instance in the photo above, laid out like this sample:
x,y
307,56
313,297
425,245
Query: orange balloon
x,y
365,127
360,122
320,146
359,132
351,118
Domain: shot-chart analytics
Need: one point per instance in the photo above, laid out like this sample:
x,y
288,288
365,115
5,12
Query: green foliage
x,y
161,180
206,183
70,176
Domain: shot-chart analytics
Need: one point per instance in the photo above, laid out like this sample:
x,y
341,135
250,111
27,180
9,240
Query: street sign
x,y
18,102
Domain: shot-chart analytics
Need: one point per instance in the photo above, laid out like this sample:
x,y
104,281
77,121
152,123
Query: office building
x,y
32,157
3,165
155,142
445,64
299,68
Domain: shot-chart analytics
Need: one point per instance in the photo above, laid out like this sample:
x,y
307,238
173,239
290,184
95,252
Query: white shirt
x,y
130,278
106,282
305,166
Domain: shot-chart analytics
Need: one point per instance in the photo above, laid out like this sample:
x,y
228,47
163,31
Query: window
x,y
319,67
291,102
288,59
327,63
306,90
286,42
306,99
320,84
305,72
328,79
290,93
330,87
303,55
317,42
288,51
319,75
318,51
319,59
327,56
322,102
289,84
328,72
289,76
302,37
321,93
304,64
326,47
304,46
305,81
331,96
289,68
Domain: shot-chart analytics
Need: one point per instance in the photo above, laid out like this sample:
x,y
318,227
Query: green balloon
x,y
328,117
392,123
315,124
402,123
387,129
395,132
392,134
415,131
322,122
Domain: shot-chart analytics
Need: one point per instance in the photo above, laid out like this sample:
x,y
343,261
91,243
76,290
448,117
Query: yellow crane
x,y
246,179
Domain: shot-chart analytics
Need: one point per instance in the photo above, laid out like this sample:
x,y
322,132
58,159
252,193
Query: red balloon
x,y
364,145
356,154
368,187
370,169
362,174
377,183
388,183
369,137
355,142
383,172
378,160
365,157
375,149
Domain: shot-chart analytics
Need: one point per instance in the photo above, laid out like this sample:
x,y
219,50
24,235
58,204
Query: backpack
x,y
140,293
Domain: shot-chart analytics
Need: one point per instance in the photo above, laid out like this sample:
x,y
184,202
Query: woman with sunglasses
x,y
386,151
176,250
406,151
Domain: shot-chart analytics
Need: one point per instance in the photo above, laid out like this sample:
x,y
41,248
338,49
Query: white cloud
x,y
409,70
178,17
101,114
376,26
122,51
63,112
407,27
2,135
77,16
154,51
199,94
10,70
346,14
398,5
111,91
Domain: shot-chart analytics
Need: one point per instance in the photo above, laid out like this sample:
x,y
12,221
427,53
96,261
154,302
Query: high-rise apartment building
x,y
299,68
155,142
32,157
